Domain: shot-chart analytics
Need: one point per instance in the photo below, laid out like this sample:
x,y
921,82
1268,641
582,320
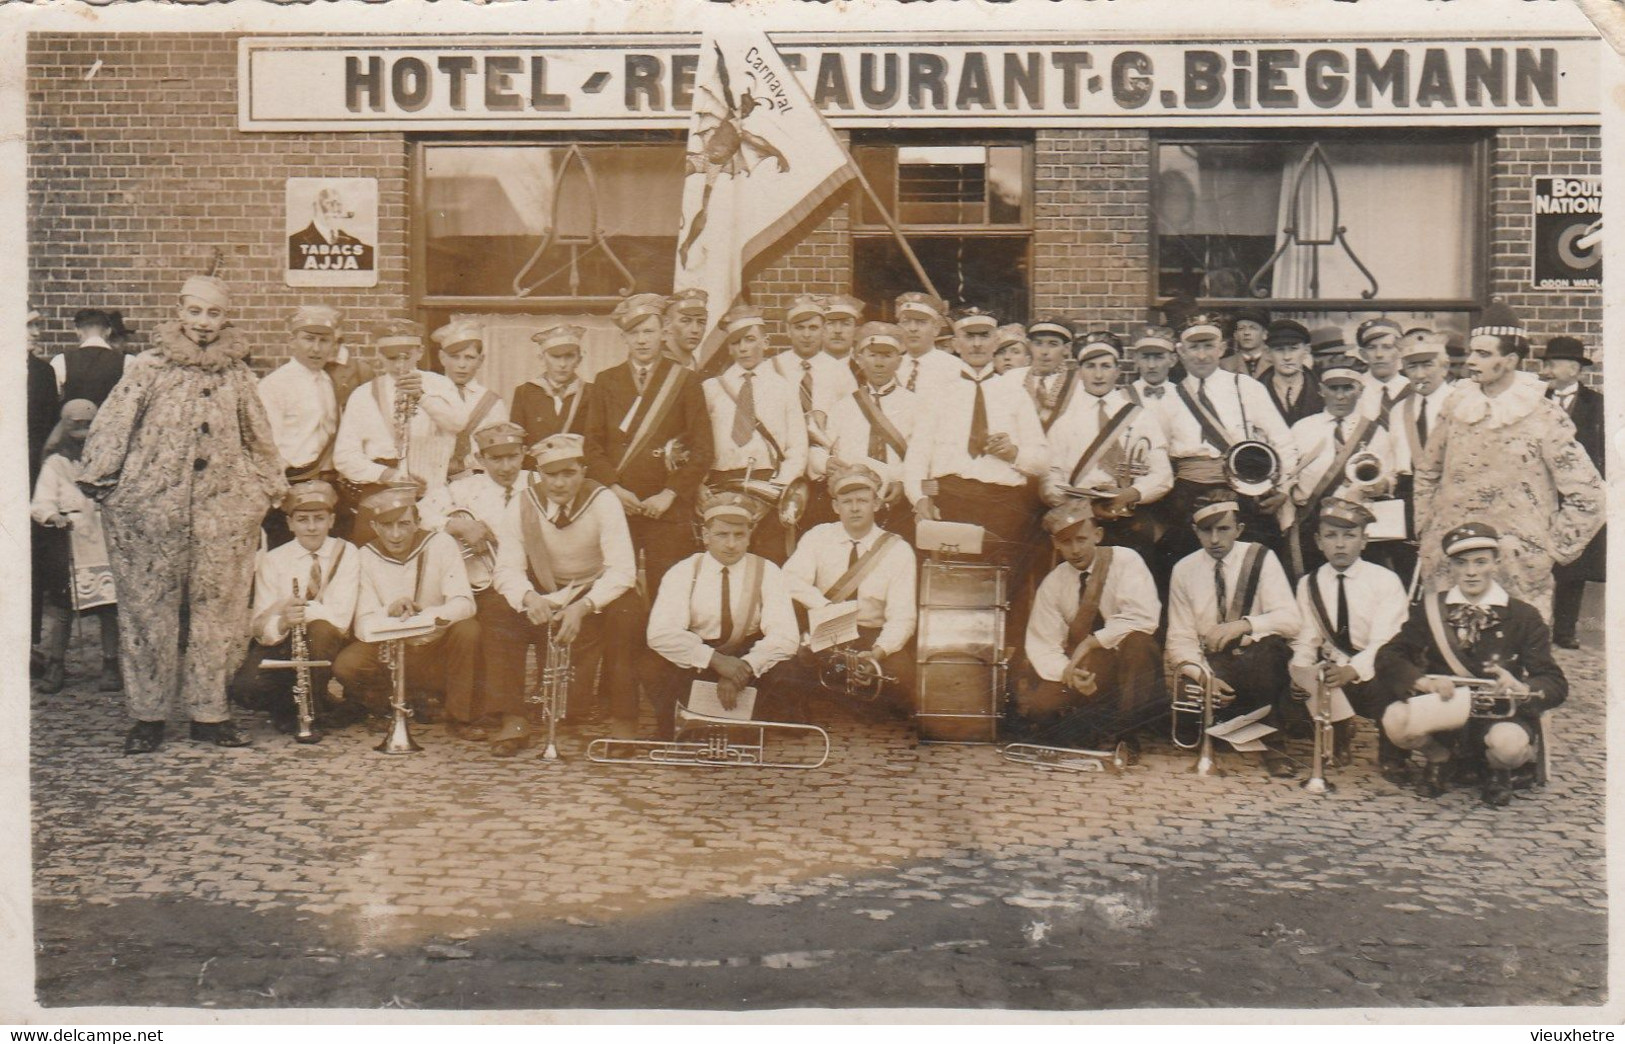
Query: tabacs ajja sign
x,y
464,83
1568,233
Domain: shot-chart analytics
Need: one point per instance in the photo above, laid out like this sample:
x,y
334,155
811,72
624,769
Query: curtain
x,y
512,358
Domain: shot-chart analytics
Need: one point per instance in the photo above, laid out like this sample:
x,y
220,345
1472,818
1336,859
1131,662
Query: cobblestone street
x,y
935,876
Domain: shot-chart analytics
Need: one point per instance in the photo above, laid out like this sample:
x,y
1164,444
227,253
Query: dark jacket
x,y
646,475
1309,400
1586,411
43,410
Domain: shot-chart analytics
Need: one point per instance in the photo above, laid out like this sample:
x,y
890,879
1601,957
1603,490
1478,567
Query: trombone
x,y
1066,759
1196,693
722,743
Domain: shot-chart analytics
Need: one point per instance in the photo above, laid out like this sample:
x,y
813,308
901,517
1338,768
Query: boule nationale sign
x,y
647,81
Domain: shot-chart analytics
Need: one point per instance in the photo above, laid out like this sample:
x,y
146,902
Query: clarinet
x,y
406,406
302,702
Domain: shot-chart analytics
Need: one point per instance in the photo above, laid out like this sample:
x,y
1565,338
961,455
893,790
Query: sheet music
x,y
1244,732
384,630
962,538
702,699
1088,492
832,624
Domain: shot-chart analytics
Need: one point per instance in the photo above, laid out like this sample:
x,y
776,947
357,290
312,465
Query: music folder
x,y
388,629
957,538
831,625
702,699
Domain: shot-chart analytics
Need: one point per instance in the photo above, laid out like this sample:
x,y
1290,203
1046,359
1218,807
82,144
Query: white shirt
x,y
1371,393
1496,596
1128,603
848,430
1378,606
57,491
885,597
1243,408
1075,430
439,586
367,435
595,541
1193,606
478,495
470,395
832,378
920,373
778,409
1160,406
1042,388
942,432
1407,413
687,614
276,570
303,412
1316,440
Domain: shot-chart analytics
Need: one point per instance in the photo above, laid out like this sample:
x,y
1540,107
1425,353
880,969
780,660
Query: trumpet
x,y
1320,712
1135,463
1366,472
1195,695
723,743
553,690
1066,759
853,674
301,663
480,566
1488,699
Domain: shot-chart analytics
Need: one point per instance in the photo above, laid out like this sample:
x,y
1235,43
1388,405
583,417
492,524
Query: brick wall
x,y
137,172
1092,222
1521,155
816,261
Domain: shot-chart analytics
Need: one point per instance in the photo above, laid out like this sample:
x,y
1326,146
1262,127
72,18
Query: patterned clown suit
x,y
182,458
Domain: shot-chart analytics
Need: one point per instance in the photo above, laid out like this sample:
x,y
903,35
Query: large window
x,y
966,210
1291,221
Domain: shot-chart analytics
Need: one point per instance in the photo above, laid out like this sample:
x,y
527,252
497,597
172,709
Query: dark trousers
x,y
445,665
775,700
272,690
1568,592
1257,673
663,542
896,696
1129,693
1010,514
505,635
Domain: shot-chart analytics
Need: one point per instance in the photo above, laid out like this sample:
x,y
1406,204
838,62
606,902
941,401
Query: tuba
x,y
1366,473
1252,468
1195,695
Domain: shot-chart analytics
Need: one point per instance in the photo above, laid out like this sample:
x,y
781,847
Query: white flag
x,y
760,159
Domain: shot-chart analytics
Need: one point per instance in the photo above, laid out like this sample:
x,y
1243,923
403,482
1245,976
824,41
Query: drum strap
x,y
1322,617
1413,435
846,585
1083,621
659,408
1103,439
1444,638
880,423
1252,568
1212,430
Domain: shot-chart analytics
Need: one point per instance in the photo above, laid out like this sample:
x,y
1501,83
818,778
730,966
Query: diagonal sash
x,y
1340,463
878,421
1103,439
1444,638
1083,621
659,408
846,585
1065,399
1212,428
1322,617
1413,434
1252,568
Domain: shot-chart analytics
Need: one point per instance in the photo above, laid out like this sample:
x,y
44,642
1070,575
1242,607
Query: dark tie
x,y
1083,587
1219,587
315,588
745,410
976,445
877,443
1387,401
914,374
806,386
1102,416
1207,404
852,559
1337,432
1342,635
1421,419
507,496
641,378
727,610
1155,391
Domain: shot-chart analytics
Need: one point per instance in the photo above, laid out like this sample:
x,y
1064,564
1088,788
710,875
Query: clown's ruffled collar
x,y
1469,404
175,348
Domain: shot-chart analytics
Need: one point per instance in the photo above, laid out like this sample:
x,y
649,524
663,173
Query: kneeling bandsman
x,y
1094,671
408,572
326,569
856,560
723,615
1230,607
564,563
1349,609
1472,630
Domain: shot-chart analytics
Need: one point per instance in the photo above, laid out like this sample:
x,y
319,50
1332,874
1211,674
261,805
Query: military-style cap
x,y
1286,333
1474,536
1092,349
916,303
397,337
1008,334
314,495
1050,326
317,318
843,306
1346,513
1569,348
630,311
1206,509
560,338
1154,339
1372,329
558,449
805,306
734,506
740,318
207,289
1420,344
1341,367
456,334
880,337
33,316
692,301
1201,326
1499,320
973,320
1060,520
1250,314
1098,336
1327,340
500,440
387,504
852,476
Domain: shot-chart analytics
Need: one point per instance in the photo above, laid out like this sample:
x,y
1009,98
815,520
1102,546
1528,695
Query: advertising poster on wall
x,y
332,228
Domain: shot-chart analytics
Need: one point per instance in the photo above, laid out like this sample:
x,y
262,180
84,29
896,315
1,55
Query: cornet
x,y
1195,695
1366,473
553,691
1320,712
1066,759
1488,698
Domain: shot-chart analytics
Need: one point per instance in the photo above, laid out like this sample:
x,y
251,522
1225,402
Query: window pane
x,y
490,209
946,184
980,270
1408,209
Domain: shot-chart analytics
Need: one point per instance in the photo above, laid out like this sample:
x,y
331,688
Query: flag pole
x,y
891,223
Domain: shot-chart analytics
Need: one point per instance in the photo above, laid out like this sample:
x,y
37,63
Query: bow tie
x,y
1470,620
1155,391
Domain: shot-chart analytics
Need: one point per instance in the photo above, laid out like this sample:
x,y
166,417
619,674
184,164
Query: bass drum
x,y
963,665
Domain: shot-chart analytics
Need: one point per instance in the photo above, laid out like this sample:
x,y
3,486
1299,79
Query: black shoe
x,y
1343,743
1396,771
221,733
54,678
1435,779
144,737
1278,765
111,678
1566,641
1498,788
286,724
